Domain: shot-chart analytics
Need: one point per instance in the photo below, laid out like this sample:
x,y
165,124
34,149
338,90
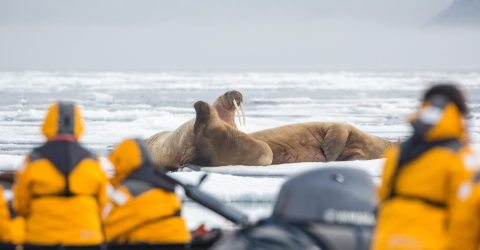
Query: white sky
x,y
156,35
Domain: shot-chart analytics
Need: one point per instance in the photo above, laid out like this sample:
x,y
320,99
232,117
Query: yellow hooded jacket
x,y
61,189
142,208
420,183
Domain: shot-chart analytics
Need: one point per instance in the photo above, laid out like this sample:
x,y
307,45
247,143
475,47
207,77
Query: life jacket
x,y
65,156
411,150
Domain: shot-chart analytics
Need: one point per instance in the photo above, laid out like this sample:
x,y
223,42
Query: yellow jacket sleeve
x,y
464,229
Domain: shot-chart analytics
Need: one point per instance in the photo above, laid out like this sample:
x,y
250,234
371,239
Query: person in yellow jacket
x,y
61,189
143,208
422,178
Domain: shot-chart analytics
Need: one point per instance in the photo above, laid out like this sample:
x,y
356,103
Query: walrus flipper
x,y
334,142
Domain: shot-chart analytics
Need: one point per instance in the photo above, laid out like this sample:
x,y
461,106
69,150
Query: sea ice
x,y
119,105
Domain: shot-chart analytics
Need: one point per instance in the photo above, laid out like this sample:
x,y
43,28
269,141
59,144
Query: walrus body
x,y
173,149
321,142
219,144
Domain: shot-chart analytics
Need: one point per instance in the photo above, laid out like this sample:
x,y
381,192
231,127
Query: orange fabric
x,y
50,123
51,219
145,218
126,157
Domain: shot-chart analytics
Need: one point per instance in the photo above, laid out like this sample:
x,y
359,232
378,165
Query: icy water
x,y
121,105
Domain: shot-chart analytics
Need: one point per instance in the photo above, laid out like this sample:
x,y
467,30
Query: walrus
x,y
219,144
173,149
321,142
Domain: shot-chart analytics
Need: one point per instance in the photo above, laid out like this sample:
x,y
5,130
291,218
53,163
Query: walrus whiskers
x,y
238,111
243,112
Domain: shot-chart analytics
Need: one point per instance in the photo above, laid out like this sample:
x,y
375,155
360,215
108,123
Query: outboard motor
x,y
329,209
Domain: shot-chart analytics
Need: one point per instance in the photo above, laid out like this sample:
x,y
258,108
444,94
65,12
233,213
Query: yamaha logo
x,y
332,216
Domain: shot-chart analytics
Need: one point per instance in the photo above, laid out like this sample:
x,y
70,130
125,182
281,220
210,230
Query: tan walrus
x,y
219,144
173,149
321,142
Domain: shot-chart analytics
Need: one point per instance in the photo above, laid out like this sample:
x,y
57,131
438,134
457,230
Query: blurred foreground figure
x,y
329,209
143,208
61,189
425,178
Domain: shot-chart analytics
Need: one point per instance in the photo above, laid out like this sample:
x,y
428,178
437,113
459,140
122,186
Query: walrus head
x,y
204,111
227,104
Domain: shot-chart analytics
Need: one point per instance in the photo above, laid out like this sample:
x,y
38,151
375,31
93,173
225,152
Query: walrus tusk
x,y
238,111
243,112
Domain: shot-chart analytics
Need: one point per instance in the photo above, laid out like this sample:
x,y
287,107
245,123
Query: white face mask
x,y
431,115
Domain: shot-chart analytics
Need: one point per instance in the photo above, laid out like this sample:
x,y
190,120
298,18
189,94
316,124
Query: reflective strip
x,y
119,198
8,195
106,210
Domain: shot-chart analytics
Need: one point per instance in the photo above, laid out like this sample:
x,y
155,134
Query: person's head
x,y
451,92
441,114
128,156
63,119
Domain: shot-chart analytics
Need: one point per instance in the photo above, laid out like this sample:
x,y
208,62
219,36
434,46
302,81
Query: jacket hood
x,y
127,157
63,118
437,119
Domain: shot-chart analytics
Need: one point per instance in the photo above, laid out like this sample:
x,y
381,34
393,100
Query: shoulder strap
x,y
148,174
137,187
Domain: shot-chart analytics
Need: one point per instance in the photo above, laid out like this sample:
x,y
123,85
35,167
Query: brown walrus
x,y
219,144
173,149
321,142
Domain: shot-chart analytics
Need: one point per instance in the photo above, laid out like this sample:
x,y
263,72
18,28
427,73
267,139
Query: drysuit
x,y
423,179
142,208
61,189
